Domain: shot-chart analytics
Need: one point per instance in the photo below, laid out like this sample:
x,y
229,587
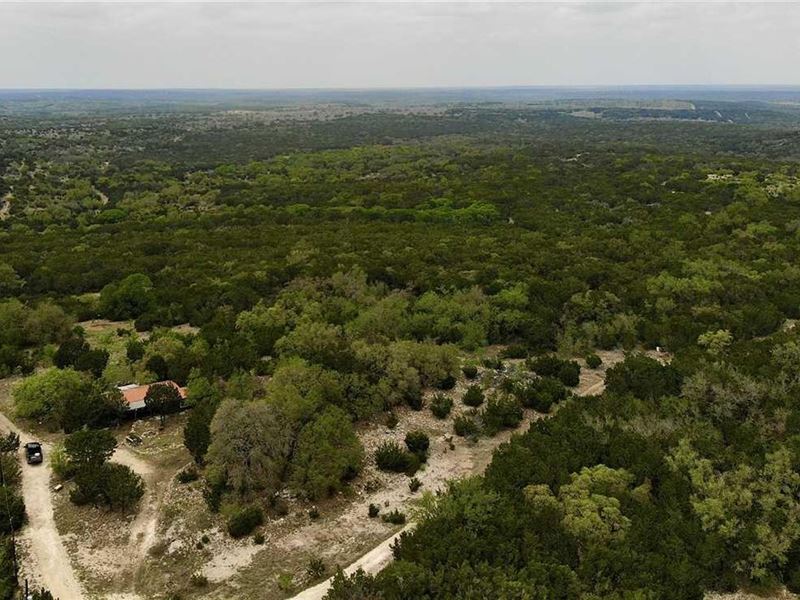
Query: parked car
x,y
33,453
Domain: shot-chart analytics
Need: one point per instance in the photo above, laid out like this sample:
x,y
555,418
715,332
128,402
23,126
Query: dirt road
x,y
144,528
372,562
48,563
592,382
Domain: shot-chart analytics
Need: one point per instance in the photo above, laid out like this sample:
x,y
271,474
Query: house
x,y
134,393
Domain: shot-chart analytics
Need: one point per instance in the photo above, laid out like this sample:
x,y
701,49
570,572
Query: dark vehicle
x,y
33,453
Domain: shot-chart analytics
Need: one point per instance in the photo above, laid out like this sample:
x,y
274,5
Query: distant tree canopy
x,y
332,269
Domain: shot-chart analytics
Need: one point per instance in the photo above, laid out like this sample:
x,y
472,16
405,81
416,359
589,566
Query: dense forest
x,y
334,260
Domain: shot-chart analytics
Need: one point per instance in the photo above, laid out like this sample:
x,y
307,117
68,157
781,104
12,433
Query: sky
x,y
422,44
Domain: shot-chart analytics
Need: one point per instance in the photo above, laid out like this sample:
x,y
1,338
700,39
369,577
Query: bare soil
x,y
109,549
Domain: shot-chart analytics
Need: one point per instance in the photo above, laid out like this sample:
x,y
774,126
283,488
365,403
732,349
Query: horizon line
x,y
598,86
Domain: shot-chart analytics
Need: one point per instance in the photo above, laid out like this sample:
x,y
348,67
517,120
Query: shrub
x,y
359,585
258,539
188,475
157,365
465,425
212,494
394,517
473,396
94,361
568,372
134,350
508,385
391,457
391,420
418,442
441,406
544,366
793,580
415,400
205,539
158,549
81,497
413,464
11,471
470,371
280,506
122,488
373,510
540,395
447,383
198,580
313,513
644,377
59,461
244,521
501,412
593,361
315,568
414,484
285,582
515,351
13,510
493,363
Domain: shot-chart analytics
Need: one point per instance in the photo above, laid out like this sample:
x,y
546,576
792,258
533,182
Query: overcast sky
x,y
290,45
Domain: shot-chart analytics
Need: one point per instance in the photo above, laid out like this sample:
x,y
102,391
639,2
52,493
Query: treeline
x,y
13,514
13,519
205,137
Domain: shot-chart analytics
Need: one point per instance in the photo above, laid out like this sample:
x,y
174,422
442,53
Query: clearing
x,y
173,540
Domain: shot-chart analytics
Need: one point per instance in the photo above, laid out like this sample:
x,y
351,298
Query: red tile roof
x,y
134,394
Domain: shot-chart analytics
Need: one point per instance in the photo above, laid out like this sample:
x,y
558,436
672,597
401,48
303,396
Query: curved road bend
x,y
372,562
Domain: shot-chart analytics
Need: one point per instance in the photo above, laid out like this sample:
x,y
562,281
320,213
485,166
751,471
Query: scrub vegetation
x,y
304,278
